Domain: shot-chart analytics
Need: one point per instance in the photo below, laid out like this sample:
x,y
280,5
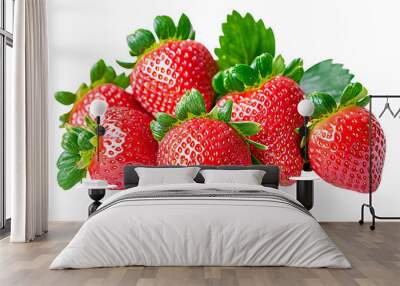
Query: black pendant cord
x,y
370,205
98,137
100,131
304,150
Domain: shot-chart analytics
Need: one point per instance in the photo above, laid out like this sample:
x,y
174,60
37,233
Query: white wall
x,y
362,34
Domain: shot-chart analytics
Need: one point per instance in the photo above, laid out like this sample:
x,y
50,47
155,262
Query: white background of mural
x,y
361,34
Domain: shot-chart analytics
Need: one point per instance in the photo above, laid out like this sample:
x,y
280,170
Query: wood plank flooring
x,y
375,257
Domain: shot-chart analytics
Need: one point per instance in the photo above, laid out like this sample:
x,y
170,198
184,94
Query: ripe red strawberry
x,y
339,140
164,71
195,137
128,140
267,93
106,85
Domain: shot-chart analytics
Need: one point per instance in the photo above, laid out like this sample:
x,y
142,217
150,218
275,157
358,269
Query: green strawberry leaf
x,y
213,114
255,161
164,27
64,118
165,119
74,129
278,65
195,103
98,70
181,111
326,77
140,40
191,103
69,142
86,157
65,97
363,101
224,112
256,144
243,39
218,83
246,128
297,74
245,74
158,130
125,65
122,81
352,94
295,70
82,90
192,35
79,151
98,82
84,140
67,160
232,82
263,64
93,141
67,178
351,91
109,74
323,102
91,124
184,28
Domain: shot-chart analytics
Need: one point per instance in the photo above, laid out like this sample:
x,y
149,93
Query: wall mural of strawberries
x,y
180,106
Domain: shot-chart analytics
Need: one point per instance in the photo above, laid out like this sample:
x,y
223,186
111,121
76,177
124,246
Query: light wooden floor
x,y
375,257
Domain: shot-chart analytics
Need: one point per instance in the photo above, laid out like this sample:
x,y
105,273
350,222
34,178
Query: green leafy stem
x,y
192,106
142,41
79,144
241,77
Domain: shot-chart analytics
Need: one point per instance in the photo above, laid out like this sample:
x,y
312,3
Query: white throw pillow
x,y
247,177
166,176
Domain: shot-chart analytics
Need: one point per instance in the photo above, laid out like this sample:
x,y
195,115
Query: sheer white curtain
x,y
27,123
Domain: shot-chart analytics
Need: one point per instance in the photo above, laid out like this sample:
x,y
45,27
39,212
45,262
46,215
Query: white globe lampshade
x,y
305,107
98,107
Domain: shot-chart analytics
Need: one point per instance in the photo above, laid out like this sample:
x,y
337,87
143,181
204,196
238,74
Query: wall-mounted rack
x,y
370,204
